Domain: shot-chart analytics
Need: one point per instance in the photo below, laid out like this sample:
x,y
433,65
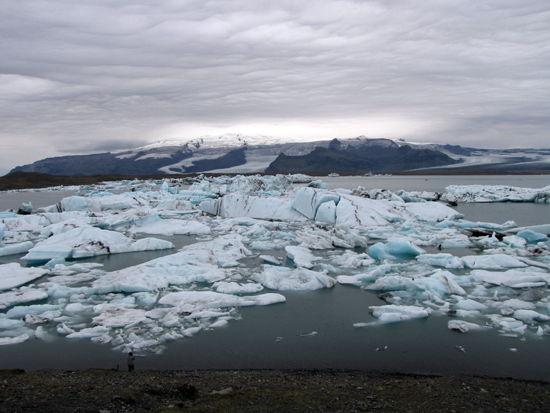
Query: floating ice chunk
x,y
440,283
271,259
308,200
464,326
235,288
89,332
514,304
459,241
75,308
22,296
513,278
529,316
392,283
441,260
13,249
366,277
351,259
7,324
4,341
121,317
394,247
89,242
13,275
170,227
218,324
494,193
2,230
191,331
283,278
470,305
514,241
396,313
507,324
198,262
532,236
301,256
21,311
197,300
379,251
492,262
39,254
41,334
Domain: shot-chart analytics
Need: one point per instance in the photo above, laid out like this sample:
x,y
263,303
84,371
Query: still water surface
x,y
276,336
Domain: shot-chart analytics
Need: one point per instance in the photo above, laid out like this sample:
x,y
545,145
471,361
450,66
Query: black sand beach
x,y
96,390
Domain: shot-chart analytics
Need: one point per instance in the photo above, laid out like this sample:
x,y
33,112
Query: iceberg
x,y
395,313
301,256
13,275
88,242
190,301
302,279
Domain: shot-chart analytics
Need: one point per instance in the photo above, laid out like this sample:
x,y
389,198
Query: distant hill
x,y
233,153
364,158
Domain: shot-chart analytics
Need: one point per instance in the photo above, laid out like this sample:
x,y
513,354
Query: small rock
x,y
228,390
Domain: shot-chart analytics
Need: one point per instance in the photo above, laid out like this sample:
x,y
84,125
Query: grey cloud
x,y
75,72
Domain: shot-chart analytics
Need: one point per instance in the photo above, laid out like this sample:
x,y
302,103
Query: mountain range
x,y
234,153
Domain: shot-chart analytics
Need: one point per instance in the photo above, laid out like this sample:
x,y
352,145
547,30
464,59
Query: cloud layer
x,y
88,76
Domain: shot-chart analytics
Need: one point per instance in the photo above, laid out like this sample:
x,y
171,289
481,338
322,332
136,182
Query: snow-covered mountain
x,y
235,153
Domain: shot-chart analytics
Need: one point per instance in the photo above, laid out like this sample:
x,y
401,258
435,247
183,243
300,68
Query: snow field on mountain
x,y
255,238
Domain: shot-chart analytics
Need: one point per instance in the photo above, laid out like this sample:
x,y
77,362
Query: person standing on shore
x,y
131,359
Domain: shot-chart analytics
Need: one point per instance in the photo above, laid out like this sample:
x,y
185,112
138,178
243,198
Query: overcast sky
x,y
83,76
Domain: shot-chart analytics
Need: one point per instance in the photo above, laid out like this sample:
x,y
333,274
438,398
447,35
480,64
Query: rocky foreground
x,y
104,391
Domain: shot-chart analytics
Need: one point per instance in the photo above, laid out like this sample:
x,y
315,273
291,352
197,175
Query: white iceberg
x,y
13,275
283,278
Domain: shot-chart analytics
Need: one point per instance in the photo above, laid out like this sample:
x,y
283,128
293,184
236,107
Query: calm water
x,y
424,345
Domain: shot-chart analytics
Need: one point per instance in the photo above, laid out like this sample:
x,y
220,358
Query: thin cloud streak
x,y
83,76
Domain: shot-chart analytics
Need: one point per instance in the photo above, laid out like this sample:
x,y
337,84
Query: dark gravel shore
x,y
104,391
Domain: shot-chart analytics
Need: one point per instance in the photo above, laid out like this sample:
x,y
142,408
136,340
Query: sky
x,y
83,76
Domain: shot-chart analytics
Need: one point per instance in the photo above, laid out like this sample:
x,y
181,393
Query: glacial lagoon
x,y
323,328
